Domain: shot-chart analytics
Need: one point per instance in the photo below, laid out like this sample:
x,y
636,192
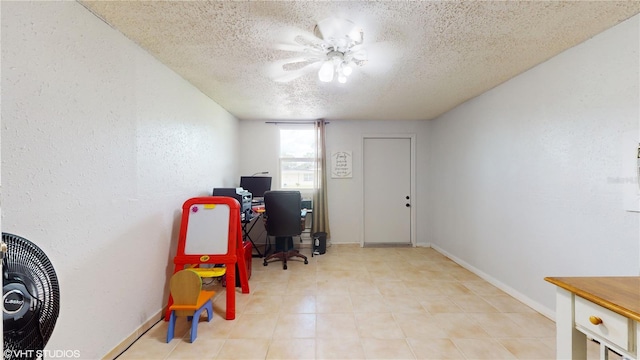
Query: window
x,y
297,157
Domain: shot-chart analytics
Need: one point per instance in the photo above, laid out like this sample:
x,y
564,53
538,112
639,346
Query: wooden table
x,y
606,309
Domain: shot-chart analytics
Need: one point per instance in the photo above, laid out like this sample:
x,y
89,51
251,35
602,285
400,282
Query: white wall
x,y
522,178
259,149
101,145
344,195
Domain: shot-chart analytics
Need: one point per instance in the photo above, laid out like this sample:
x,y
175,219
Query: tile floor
x,y
363,303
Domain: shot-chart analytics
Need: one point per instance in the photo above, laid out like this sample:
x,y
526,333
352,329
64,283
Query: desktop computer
x,y
256,185
243,196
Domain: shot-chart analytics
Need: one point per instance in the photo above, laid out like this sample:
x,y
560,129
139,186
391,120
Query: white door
x,y
387,191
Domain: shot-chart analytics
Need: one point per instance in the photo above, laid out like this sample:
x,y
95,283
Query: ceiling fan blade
x,y
292,68
291,38
280,64
329,27
289,47
287,76
334,29
302,51
381,58
311,43
297,65
360,54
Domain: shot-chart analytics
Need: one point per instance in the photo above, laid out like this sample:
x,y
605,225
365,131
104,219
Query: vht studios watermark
x,y
41,354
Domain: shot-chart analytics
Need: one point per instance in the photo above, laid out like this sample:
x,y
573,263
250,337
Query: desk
x,y
249,223
606,309
247,226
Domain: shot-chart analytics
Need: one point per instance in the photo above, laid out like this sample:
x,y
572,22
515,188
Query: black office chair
x,y
283,221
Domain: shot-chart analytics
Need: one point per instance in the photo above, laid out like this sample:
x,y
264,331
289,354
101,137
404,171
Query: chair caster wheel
x,y
265,263
306,262
284,267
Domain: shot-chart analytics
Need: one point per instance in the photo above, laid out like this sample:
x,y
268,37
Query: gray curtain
x,y
320,207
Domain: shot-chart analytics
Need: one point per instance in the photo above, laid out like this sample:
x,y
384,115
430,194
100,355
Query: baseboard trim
x,y
129,340
386,245
549,313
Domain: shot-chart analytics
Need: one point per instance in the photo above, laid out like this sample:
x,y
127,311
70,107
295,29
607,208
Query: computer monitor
x,y
256,185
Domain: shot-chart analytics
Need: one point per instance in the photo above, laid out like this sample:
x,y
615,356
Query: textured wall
x,y
345,195
520,183
101,144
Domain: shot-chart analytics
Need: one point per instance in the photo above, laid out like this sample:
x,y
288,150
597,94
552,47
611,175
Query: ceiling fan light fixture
x,y
325,74
346,69
334,50
342,37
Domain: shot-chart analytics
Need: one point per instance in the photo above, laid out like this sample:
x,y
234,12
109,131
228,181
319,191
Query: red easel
x,y
210,243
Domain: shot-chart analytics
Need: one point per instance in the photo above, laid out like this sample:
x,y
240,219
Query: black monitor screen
x,y
256,185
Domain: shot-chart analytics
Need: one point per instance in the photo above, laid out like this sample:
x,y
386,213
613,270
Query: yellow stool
x,y
188,300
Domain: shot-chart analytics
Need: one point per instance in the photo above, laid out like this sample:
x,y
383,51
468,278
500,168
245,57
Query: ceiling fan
x,y
334,50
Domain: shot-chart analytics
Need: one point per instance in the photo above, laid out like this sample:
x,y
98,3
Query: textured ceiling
x,y
424,57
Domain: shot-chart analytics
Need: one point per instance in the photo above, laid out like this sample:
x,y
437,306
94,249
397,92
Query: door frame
x,y
412,179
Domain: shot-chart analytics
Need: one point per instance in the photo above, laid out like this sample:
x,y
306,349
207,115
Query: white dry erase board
x,y
207,230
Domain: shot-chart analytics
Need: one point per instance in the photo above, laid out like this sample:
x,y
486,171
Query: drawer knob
x,y
595,320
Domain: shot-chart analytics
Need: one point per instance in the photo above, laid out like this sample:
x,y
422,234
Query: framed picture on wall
x,y
341,165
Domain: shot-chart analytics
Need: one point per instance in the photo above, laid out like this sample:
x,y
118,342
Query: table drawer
x,y
613,327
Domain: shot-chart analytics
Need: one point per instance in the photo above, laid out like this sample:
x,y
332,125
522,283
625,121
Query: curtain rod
x,y
293,122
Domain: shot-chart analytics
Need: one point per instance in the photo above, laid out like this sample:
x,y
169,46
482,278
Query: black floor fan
x,y
31,298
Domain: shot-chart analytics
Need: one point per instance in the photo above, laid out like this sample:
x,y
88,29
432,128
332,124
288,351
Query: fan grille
x,y
27,262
